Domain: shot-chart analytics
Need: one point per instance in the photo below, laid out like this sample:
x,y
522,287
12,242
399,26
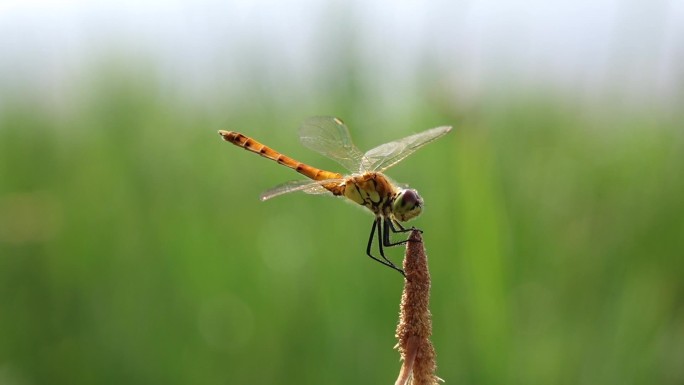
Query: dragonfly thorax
x,y
375,191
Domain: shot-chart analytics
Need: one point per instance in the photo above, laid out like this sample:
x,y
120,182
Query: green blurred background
x,y
134,250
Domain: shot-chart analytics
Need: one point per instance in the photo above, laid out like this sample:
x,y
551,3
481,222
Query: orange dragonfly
x,y
366,185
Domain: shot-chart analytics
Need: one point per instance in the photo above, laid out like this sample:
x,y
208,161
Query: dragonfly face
x,y
407,205
367,185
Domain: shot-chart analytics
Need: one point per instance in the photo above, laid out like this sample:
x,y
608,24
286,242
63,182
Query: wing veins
x,y
306,185
330,137
387,155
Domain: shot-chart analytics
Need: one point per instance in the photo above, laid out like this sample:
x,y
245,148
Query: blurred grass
x,y
133,248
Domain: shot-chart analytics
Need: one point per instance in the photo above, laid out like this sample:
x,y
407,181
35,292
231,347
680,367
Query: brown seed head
x,y
415,320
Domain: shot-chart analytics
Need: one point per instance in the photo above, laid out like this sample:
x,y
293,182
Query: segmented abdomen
x,y
252,145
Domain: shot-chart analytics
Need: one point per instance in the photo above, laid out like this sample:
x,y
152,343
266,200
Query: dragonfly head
x,y
407,205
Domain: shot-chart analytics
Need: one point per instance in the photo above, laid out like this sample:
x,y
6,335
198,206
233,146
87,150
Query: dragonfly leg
x,y
402,229
383,237
386,262
388,225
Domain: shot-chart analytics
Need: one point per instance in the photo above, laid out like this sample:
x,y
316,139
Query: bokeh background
x,y
134,250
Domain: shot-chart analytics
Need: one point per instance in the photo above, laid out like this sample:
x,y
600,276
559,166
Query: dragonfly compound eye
x,y
407,205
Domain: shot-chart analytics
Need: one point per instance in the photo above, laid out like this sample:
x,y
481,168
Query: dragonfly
x,y
366,185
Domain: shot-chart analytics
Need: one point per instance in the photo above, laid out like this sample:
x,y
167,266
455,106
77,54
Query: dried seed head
x,y
415,321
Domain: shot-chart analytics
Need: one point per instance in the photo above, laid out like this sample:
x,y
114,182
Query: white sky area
x,y
630,47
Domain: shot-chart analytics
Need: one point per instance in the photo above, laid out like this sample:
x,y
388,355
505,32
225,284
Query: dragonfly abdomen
x,y
256,147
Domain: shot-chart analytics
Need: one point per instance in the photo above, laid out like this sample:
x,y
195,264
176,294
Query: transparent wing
x,y
387,155
307,185
329,136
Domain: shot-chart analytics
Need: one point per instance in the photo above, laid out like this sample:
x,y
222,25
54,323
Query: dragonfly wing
x,y
387,155
329,136
306,185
